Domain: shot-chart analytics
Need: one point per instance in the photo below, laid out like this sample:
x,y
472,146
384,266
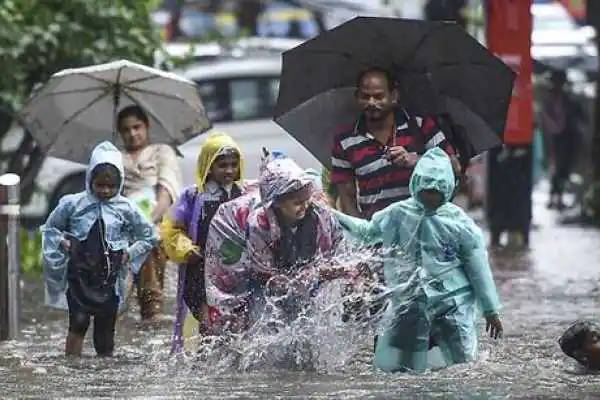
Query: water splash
x,y
324,329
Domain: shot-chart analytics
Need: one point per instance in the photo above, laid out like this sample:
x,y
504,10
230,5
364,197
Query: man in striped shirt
x,y
379,152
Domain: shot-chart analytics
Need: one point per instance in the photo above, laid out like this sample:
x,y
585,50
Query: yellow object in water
x,y
191,333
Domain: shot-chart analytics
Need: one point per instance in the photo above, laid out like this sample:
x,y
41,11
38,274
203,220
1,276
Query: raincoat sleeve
x,y
173,230
478,271
53,233
169,174
366,232
55,258
143,235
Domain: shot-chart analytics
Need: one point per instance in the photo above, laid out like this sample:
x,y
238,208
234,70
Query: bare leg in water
x,y
74,345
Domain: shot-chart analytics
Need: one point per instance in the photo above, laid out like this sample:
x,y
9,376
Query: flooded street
x,y
543,291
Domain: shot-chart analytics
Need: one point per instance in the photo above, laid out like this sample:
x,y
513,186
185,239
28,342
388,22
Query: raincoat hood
x,y
433,171
280,175
104,153
214,146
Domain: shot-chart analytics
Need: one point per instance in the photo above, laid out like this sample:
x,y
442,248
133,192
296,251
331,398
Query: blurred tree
x,y
41,37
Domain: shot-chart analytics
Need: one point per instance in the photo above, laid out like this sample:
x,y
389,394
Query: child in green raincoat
x,y
436,270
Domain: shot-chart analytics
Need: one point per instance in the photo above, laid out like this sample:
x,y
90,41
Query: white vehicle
x,y
239,94
556,34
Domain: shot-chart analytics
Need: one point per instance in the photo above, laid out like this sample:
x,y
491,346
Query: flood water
x,y
543,290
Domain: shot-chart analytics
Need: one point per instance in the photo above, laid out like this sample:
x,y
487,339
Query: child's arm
x,y
367,232
54,242
173,230
144,238
477,268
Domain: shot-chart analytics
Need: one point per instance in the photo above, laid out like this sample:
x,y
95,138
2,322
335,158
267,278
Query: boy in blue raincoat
x,y
88,241
436,269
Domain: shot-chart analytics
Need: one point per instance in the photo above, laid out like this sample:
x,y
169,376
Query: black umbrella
x,y
441,70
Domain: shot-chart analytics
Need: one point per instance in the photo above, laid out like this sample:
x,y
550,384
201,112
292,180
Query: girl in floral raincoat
x,y
272,238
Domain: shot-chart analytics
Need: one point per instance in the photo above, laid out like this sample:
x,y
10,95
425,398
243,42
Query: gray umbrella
x,y
77,108
441,70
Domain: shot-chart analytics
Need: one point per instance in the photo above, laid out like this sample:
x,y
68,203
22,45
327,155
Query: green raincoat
x,y
437,271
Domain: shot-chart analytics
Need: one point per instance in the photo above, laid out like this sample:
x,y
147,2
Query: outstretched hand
x,y
494,326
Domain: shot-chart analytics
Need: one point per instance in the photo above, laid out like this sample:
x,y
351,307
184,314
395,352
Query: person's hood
x,y
280,175
433,171
215,145
104,153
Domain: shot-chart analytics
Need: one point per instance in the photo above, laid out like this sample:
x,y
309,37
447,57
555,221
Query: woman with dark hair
x,y
152,179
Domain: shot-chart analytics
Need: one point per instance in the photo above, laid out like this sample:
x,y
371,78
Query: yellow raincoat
x,y
184,230
179,228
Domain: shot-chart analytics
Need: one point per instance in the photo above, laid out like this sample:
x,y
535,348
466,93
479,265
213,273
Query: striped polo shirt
x,y
357,155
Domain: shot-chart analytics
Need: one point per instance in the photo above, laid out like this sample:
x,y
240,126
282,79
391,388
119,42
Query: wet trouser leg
x,y
150,284
104,333
563,154
455,333
78,325
78,322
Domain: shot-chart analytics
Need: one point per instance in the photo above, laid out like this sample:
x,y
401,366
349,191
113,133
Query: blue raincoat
x,y
126,229
437,271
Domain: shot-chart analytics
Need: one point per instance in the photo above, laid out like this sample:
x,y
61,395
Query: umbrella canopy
x,y
76,109
439,67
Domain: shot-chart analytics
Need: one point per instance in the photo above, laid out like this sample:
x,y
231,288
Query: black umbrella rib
x,y
72,91
144,79
146,91
422,40
404,69
95,78
149,78
447,64
85,108
119,72
358,59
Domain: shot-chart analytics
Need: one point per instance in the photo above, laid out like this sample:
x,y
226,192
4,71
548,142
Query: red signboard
x,y
576,8
509,37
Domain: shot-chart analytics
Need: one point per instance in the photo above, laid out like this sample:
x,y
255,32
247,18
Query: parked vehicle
x,y
240,96
557,35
